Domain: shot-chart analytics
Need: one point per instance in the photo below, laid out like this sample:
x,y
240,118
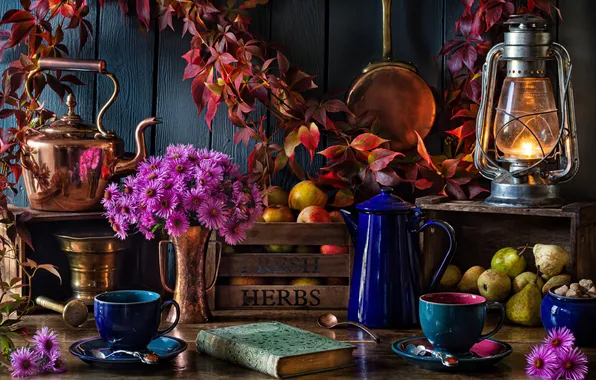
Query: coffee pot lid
x,y
71,123
385,202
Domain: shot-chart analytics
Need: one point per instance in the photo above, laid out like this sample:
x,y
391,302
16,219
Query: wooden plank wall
x,y
332,39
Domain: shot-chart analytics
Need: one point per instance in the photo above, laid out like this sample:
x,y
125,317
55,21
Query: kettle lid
x,y
71,123
385,202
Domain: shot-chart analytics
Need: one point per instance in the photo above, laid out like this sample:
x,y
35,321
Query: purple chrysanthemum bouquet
x,y
44,356
185,187
557,357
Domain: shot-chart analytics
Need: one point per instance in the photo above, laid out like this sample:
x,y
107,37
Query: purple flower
x,y
23,362
110,195
150,193
211,214
192,199
179,151
129,185
166,205
177,224
120,228
572,365
559,339
151,165
52,362
45,341
127,209
541,361
147,233
234,232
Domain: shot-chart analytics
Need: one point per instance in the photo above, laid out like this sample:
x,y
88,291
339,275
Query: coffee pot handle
x,y
448,256
163,264
81,65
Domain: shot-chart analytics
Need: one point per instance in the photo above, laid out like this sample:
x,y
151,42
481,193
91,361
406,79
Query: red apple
x,y
278,214
336,217
305,194
334,249
314,214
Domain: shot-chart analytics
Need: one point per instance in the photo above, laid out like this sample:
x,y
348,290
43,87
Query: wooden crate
x,y
251,260
482,229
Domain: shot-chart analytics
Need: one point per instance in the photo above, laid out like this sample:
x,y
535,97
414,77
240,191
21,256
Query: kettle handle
x,y
448,256
82,65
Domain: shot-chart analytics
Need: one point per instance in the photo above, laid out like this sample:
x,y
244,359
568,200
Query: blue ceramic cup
x,y
129,319
453,322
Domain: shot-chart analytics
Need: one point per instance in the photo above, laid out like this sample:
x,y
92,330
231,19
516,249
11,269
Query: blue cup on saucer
x,y
129,319
453,322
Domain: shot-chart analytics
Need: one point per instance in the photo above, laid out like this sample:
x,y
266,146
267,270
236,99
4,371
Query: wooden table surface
x,y
371,361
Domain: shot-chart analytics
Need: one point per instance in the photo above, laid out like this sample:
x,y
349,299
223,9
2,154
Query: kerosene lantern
x,y
526,145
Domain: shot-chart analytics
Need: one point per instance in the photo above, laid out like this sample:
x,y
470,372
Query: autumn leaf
x,y
242,135
309,137
423,184
144,12
367,141
281,160
380,158
465,130
449,166
421,148
291,141
52,269
343,198
334,152
387,177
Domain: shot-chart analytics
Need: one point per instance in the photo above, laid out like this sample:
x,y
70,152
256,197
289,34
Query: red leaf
x,y
336,105
212,105
242,135
334,152
474,190
469,56
72,79
165,18
20,31
387,177
454,190
449,166
451,46
281,160
333,179
467,129
423,184
471,114
468,4
343,198
144,12
421,148
367,141
297,170
473,89
16,16
291,141
309,137
282,63
380,158
455,61
199,95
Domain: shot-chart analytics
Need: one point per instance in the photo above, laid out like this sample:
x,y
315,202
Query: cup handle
x,y
175,323
493,305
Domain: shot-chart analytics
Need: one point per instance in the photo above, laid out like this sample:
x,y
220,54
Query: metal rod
x,y
74,313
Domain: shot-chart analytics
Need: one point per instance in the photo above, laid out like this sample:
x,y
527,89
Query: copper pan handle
x,y
387,47
163,264
218,262
81,65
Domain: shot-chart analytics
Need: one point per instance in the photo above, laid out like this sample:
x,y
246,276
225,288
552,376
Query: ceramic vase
x,y
190,291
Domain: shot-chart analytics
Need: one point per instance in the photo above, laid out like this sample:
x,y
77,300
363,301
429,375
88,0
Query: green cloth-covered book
x,y
275,349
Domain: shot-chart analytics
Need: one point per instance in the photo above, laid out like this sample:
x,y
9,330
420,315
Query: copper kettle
x,y
69,162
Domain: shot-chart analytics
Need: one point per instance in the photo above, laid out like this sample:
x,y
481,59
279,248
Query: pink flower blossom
x,y
541,361
559,339
211,214
177,224
572,365
23,362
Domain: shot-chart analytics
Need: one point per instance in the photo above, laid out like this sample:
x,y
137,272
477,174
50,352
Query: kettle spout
x,y
124,166
351,224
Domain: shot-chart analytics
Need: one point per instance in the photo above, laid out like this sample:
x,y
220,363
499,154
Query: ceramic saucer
x,y
484,354
165,347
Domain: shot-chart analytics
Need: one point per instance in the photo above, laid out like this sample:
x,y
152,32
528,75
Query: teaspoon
x,y
147,358
330,321
420,350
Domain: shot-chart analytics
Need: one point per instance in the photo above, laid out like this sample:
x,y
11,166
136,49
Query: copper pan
x,y
394,90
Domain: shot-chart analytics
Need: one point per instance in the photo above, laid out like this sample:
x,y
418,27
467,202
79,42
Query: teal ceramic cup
x,y
129,319
453,322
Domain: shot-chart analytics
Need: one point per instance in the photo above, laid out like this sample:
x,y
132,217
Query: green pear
x,y
450,278
494,285
279,248
524,307
524,279
561,279
469,281
551,259
509,261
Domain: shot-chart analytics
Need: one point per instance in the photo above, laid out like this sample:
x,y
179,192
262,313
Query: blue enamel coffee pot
x,y
387,280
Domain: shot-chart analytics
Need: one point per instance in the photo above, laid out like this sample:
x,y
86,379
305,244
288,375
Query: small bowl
x,y
577,314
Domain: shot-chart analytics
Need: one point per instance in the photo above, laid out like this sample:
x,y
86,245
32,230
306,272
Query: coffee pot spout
x,y
124,166
351,224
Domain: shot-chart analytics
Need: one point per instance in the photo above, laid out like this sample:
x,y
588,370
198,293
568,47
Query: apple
x,y
336,217
278,214
277,196
305,194
334,249
306,281
279,248
314,214
228,249
247,281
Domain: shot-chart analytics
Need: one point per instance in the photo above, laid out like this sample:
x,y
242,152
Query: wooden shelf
x,y
56,216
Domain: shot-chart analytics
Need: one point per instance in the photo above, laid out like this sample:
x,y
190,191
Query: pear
x,y
524,279
561,279
494,285
469,281
509,261
550,259
450,278
524,307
